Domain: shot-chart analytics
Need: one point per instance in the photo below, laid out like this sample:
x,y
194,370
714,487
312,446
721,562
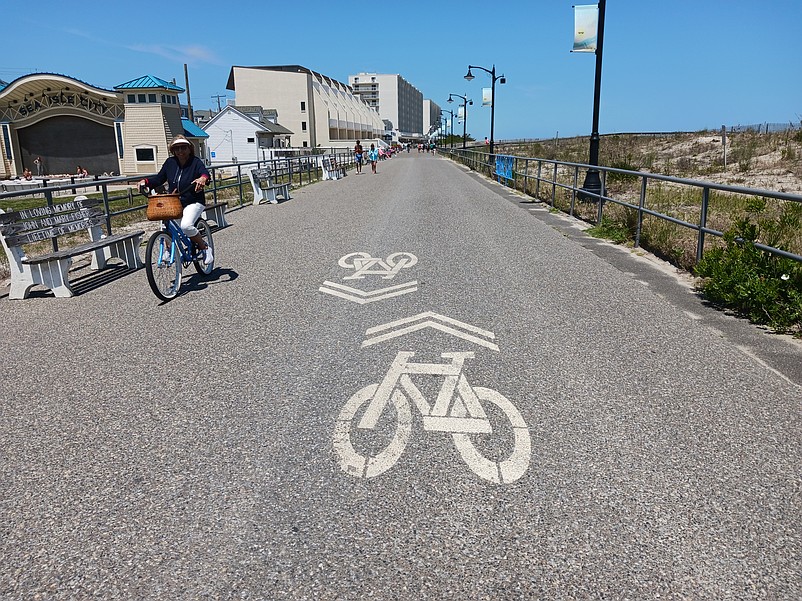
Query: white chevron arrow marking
x,y
430,319
362,298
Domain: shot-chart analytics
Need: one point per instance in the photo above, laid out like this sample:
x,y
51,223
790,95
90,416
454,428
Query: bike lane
x,y
660,461
631,438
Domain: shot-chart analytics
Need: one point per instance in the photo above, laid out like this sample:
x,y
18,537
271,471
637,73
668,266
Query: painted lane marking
x,y
362,298
430,319
363,264
457,410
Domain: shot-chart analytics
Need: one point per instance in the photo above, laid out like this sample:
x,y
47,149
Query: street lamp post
x,y
501,79
465,103
593,184
451,120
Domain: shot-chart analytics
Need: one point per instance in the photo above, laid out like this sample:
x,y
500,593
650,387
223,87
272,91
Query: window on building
x,y
303,106
152,98
131,98
303,125
141,98
250,140
306,143
145,155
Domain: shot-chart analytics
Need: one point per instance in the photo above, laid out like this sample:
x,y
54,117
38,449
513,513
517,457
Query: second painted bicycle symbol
x,y
363,264
375,425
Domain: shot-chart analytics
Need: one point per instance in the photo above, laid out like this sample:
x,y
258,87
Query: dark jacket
x,y
180,179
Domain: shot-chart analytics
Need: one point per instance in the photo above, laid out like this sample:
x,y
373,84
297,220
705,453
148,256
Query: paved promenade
x,y
409,385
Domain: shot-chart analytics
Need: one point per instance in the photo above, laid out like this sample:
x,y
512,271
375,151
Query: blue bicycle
x,y
169,251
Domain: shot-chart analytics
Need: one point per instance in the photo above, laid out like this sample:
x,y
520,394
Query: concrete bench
x,y
265,188
216,213
28,226
332,169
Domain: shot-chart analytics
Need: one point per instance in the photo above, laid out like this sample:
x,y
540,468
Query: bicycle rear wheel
x,y
163,266
205,231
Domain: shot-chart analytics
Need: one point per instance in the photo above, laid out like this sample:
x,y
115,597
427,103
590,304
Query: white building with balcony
x,y
318,110
394,98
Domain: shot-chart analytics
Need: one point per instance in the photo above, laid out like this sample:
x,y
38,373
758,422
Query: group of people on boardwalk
x,y
373,157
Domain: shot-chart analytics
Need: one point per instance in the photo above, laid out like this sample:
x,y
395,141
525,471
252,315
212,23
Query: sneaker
x,y
208,257
166,256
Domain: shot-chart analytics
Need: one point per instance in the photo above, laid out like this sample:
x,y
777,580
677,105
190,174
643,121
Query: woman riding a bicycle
x,y
187,175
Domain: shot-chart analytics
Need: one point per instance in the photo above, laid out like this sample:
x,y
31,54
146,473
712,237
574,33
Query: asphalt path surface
x,y
211,448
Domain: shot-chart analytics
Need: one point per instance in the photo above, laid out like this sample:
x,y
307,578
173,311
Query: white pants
x,y
190,216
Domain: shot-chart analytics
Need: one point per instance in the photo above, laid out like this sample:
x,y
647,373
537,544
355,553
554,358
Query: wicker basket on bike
x,y
164,206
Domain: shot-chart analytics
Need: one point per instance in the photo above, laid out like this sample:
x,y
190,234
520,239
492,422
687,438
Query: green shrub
x,y
765,288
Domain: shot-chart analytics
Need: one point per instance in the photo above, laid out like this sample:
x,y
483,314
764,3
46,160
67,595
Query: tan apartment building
x,y
319,110
395,99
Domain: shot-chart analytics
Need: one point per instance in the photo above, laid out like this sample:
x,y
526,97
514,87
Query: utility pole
x,y
219,96
189,100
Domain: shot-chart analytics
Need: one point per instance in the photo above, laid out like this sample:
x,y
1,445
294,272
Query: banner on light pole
x,y
586,27
461,112
487,96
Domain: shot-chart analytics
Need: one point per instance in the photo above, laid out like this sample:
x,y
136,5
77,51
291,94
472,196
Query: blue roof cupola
x,y
149,82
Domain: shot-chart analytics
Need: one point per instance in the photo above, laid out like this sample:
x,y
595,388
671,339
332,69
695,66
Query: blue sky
x,y
669,65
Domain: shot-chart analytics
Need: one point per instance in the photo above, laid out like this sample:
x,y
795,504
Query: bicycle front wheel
x,y
163,266
205,231
380,447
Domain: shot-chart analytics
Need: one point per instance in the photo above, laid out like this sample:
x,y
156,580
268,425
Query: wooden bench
x,y
216,213
332,169
27,226
265,188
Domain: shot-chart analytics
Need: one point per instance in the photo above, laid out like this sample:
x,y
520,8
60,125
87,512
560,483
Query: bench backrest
x,y
262,177
26,226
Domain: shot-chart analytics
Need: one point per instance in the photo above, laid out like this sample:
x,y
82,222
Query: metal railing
x,y
559,184
229,183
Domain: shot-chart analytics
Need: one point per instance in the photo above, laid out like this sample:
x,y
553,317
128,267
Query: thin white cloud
x,y
185,54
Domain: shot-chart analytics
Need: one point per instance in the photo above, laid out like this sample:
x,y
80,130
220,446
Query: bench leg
x,y
127,250
53,275
271,195
216,215
285,191
21,284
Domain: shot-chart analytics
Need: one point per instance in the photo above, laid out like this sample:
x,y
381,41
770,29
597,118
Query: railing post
x,y
573,190
49,199
107,208
554,185
239,183
213,173
537,181
601,200
526,175
700,245
641,204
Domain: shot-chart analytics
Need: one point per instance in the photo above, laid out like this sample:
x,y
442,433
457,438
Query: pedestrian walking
x,y
358,156
373,156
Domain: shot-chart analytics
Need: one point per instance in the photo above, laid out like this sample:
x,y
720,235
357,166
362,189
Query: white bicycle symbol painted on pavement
x,y
362,263
457,410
